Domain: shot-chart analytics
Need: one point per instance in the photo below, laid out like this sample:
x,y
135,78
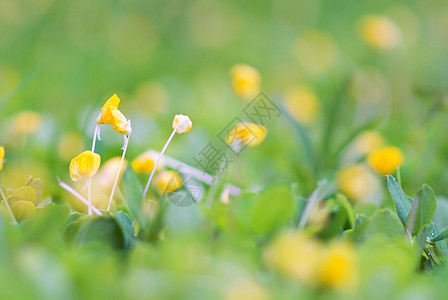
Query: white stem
x,y
125,147
89,181
79,196
7,206
89,195
157,163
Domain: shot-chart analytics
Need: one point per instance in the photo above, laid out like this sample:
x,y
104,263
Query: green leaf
x,y
360,225
272,208
402,202
433,231
441,236
385,222
343,201
420,241
127,229
422,210
337,219
133,194
102,230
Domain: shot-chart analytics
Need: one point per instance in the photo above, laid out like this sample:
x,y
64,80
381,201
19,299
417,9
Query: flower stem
x,y
157,163
7,206
125,147
79,196
89,181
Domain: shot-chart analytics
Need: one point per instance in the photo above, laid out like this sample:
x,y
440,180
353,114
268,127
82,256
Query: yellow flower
x,y
379,31
246,81
144,163
244,289
338,266
2,156
385,160
106,116
358,183
168,181
26,122
110,114
249,134
295,255
368,141
85,165
182,124
302,103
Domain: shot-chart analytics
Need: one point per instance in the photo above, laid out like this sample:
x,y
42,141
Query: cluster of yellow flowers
x,y
357,181
300,257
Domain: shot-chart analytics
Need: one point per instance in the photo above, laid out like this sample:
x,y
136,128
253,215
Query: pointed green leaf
x,y
402,202
441,236
133,194
422,210
125,224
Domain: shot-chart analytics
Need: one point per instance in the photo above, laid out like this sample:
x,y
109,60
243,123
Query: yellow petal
x,y
168,181
106,115
22,209
144,163
84,165
246,81
249,134
120,123
2,156
385,160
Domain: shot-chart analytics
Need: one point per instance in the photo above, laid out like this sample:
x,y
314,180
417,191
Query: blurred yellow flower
x,y
338,266
70,144
246,81
302,103
110,114
295,255
85,165
182,124
168,181
385,160
357,182
144,163
368,141
245,289
249,134
26,122
380,32
2,156
316,51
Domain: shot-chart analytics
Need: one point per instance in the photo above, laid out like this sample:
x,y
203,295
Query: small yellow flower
x,y
144,163
182,124
379,31
244,289
168,181
26,122
246,81
249,134
302,103
85,165
358,183
110,114
385,160
295,255
338,266
106,116
2,156
368,141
